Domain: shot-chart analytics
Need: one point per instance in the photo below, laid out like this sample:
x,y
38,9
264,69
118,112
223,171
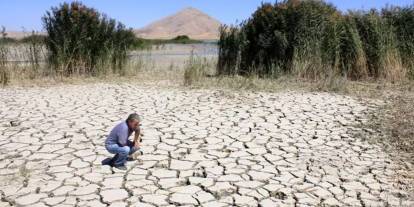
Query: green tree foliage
x,y
312,39
80,40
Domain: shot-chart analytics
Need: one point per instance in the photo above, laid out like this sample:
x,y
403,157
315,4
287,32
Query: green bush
x,y
310,20
402,21
380,44
194,69
275,36
230,44
266,41
313,39
181,38
140,43
352,61
4,76
82,41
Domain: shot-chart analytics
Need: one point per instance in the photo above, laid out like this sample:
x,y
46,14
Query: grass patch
x,y
394,120
401,123
391,126
195,69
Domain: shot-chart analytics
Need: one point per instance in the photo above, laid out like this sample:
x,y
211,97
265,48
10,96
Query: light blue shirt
x,y
119,135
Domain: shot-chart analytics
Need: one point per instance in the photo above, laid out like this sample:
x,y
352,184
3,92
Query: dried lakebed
x,y
200,148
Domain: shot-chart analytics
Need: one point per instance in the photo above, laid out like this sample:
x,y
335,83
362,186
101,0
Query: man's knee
x,y
125,150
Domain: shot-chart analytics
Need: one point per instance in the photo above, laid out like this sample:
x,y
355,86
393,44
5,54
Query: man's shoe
x,y
121,167
107,161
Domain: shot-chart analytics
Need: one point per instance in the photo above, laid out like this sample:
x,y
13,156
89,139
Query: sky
x,y
17,15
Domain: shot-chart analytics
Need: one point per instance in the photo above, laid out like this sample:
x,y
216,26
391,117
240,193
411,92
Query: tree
x,y
81,40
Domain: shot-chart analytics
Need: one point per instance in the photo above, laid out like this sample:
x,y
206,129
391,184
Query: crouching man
x,y
118,143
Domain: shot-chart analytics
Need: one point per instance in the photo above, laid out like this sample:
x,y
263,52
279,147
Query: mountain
x,y
190,21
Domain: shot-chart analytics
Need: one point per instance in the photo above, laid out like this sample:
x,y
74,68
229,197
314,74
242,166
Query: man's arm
x,y
137,139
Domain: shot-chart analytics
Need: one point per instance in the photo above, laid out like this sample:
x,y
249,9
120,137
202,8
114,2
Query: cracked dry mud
x,y
201,147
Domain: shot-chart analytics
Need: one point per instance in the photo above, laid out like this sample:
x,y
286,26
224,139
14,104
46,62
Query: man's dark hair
x,y
134,116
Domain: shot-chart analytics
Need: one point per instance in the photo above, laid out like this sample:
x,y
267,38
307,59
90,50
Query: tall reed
x,y
402,21
312,39
4,52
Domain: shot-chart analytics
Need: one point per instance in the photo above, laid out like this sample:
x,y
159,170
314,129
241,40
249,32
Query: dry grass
x,y
398,125
391,126
252,83
394,120
156,78
401,123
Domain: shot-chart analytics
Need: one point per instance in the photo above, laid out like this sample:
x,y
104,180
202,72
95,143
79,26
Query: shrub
x,y
230,44
140,43
313,39
83,41
275,36
266,41
194,69
402,21
305,46
379,43
4,76
353,60
341,52
181,38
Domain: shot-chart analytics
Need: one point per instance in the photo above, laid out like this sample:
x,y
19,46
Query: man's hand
x,y
136,144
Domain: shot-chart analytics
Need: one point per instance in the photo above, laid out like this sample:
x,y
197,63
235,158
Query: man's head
x,y
133,121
